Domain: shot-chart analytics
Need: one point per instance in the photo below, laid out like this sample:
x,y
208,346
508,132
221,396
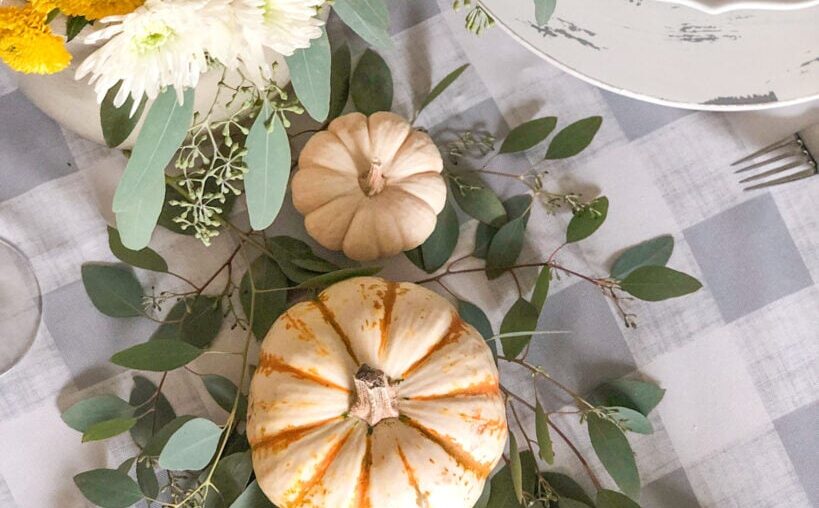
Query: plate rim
x,y
753,106
739,5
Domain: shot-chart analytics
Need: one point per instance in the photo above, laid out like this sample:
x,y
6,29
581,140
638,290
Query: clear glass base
x,y
21,306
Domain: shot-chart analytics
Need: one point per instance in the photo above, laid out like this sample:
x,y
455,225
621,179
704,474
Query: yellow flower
x,y
34,52
97,9
27,43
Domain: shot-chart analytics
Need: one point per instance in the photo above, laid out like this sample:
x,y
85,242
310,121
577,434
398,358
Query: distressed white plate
x,y
674,55
719,6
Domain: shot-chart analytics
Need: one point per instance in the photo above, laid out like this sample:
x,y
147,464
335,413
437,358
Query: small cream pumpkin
x,y
375,395
371,187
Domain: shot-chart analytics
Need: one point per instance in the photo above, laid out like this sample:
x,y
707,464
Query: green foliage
x,y
328,279
544,10
631,420
158,441
483,501
612,499
73,26
117,122
566,488
445,83
634,394
268,168
654,252
201,324
108,488
144,392
477,200
541,291
285,250
224,392
140,195
341,69
146,258
574,139
370,19
507,243
544,437
515,468
502,489
113,289
528,134
656,283
371,87
230,477
109,428
473,315
437,249
252,497
146,478
157,355
191,447
310,75
613,450
89,412
267,305
587,220
522,317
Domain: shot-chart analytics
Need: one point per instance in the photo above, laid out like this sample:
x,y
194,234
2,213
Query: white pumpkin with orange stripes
x,y
370,186
375,395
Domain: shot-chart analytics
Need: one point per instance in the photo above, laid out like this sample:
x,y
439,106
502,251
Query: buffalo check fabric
x,y
739,425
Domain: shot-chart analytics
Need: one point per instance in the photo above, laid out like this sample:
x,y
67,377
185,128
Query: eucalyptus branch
x,y
540,372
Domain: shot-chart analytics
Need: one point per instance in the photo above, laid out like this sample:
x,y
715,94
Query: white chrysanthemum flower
x,y
162,43
280,25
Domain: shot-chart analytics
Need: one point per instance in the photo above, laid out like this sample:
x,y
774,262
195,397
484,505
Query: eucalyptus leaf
x,y
484,234
117,122
191,447
528,134
544,437
157,355
505,248
612,499
566,487
632,420
108,488
170,212
502,493
574,139
541,291
230,477
146,258
371,87
158,441
107,429
202,322
113,289
172,325
445,83
126,465
634,394
544,10
88,412
73,26
522,317
328,279
483,501
268,305
252,497
438,248
283,250
477,200
567,502
588,220
315,264
614,452
310,75
473,315
370,19
223,391
140,195
163,413
340,71
146,478
515,468
654,252
268,168
656,283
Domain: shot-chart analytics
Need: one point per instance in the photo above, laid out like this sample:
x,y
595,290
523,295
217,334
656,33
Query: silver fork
x,y
794,157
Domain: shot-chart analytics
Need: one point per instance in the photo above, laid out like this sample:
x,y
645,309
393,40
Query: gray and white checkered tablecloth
x,y
739,426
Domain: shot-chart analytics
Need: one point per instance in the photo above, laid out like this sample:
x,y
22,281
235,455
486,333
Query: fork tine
x,y
785,179
769,161
773,171
770,148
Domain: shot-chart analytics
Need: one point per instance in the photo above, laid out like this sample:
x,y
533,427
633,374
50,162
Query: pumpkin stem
x,y
373,182
376,398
